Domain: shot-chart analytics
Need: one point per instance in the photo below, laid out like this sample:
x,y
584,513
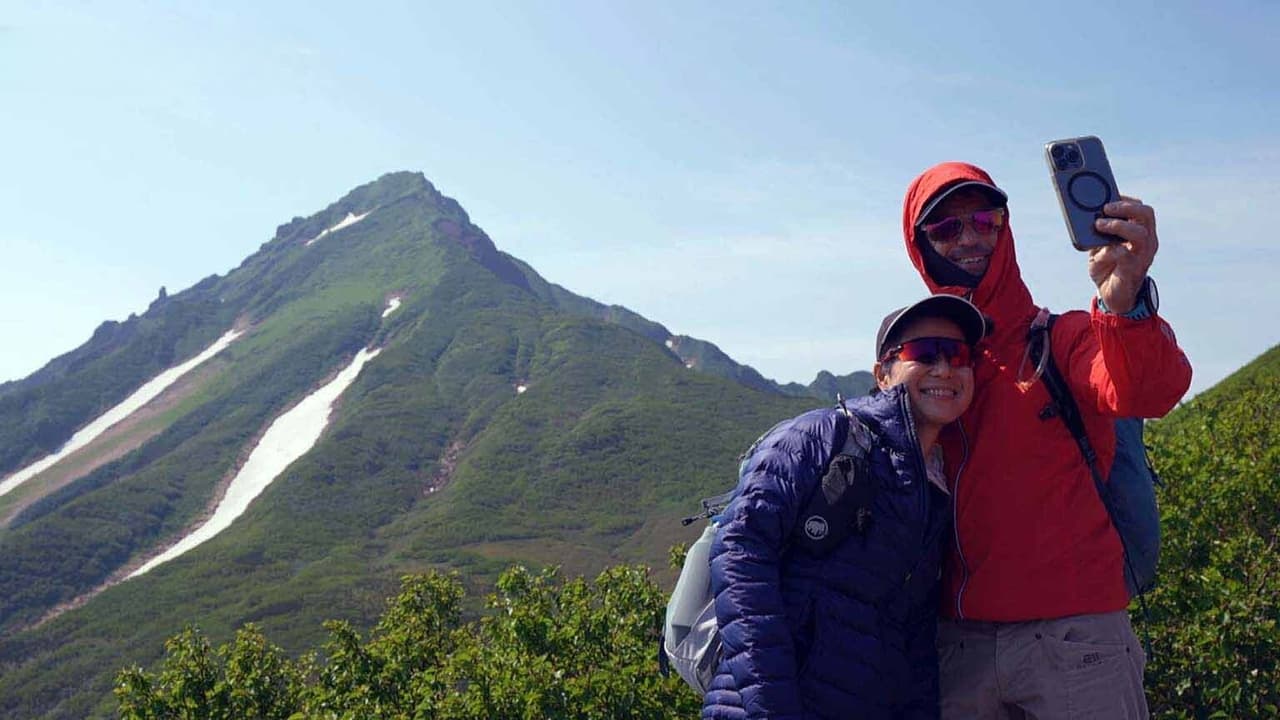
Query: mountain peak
x,y
390,187
387,189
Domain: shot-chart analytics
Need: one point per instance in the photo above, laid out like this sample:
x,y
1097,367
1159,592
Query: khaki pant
x,y
1084,666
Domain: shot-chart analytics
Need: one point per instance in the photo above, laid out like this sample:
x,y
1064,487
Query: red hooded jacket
x,y
1032,538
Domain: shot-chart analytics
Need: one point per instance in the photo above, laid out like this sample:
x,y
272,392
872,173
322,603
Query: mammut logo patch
x,y
815,527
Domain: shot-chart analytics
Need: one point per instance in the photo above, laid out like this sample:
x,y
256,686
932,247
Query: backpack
x,y
1129,492
840,504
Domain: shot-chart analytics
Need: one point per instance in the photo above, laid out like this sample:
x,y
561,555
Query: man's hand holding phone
x,y
1119,268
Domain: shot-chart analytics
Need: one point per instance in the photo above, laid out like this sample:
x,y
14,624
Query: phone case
x,y
1083,182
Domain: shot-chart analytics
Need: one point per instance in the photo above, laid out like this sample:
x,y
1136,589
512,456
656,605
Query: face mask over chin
x,y
942,271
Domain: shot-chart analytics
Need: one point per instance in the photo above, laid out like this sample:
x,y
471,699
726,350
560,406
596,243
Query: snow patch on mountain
x,y
392,305
348,221
140,397
288,438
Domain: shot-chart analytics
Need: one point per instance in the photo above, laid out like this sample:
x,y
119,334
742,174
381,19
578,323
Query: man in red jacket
x,y
1034,600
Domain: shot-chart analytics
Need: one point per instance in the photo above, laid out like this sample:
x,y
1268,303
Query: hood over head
x,y
1000,293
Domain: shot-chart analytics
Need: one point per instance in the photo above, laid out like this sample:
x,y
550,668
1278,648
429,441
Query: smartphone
x,y
1083,181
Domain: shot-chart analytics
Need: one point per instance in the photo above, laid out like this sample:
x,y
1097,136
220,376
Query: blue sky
x,y
734,171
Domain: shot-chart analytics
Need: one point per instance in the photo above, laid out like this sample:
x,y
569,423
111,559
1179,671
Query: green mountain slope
x,y
696,354
432,458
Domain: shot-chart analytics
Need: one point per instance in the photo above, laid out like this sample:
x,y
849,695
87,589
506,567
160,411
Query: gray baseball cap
x,y
952,307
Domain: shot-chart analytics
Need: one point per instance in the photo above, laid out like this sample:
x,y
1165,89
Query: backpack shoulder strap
x,y
1040,345
1064,405
841,503
858,438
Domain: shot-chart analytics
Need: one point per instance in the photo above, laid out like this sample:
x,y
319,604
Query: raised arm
x,y
1127,360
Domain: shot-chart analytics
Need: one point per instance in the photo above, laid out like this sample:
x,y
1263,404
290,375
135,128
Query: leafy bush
x,y
547,648
1215,618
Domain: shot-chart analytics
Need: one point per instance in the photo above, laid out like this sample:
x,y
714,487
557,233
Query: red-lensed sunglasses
x,y
927,350
949,229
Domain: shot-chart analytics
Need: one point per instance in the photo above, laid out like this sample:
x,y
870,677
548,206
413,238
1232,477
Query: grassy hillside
x,y
697,354
1215,617
39,414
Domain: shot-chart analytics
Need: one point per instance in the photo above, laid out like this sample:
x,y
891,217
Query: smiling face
x,y
971,251
938,392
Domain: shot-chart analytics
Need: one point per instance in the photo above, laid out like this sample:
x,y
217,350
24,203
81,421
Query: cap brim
x,y
995,194
952,307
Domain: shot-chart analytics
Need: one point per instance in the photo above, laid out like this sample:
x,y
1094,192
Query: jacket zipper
x,y
923,485
955,521
913,441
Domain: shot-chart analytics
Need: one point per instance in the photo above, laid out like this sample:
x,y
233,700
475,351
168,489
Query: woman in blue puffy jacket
x,y
846,631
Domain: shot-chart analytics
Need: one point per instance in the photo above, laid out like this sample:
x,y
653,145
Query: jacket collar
x,y
887,413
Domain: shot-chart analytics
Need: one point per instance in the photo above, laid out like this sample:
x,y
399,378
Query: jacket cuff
x,y
1144,305
1140,310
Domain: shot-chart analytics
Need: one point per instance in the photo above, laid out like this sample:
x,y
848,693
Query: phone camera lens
x,y
1066,156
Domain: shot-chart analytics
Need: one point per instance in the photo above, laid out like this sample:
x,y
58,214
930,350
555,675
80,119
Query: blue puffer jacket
x,y
848,635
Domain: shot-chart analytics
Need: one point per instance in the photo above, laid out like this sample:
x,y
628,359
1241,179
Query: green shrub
x,y
546,648
1215,617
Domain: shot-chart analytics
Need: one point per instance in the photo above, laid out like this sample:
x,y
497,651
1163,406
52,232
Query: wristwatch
x,y
1144,305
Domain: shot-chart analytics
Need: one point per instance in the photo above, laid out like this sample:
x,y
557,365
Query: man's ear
x,y
881,373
